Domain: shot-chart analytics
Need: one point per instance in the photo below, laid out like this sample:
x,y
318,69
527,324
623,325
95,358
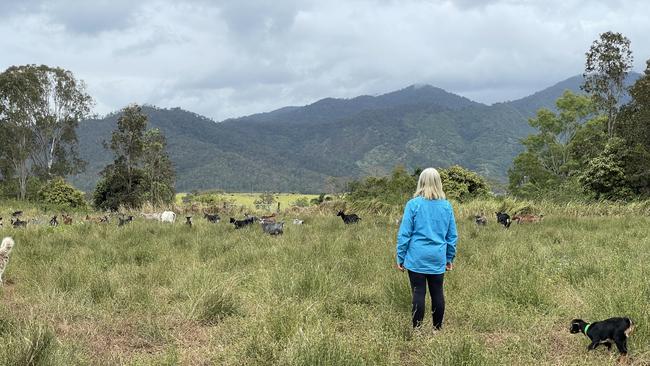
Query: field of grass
x,y
321,294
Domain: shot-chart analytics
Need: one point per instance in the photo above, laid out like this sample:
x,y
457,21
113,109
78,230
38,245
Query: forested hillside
x,y
298,148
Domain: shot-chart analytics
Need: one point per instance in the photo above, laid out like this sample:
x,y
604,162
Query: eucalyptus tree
x,y
40,109
609,60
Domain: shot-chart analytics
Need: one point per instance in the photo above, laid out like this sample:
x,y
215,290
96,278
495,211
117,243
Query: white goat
x,y
168,216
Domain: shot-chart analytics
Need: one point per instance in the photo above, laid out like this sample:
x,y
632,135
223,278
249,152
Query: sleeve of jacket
x,y
452,237
404,234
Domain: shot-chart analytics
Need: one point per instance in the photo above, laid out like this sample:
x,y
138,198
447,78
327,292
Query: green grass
x,y
323,293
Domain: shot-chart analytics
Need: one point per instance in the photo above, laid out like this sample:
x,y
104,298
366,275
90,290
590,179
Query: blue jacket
x,y
427,237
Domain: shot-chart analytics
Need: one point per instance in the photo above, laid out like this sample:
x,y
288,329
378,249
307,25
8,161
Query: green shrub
x,y
58,192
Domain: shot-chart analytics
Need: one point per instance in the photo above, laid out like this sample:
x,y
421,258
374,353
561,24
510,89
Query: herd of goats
x,y
269,223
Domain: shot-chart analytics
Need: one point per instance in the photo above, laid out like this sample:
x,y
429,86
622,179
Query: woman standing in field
x,y
426,245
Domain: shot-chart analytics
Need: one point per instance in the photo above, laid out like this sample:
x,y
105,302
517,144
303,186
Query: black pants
x,y
419,283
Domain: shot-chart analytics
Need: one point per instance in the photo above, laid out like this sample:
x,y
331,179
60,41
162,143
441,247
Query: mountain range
x,y
298,149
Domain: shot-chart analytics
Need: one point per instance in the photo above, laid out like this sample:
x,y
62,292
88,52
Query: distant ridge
x,y
298,148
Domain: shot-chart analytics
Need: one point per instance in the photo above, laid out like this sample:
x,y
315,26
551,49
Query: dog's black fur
x,y
17,214
212,218
189,221
242,223
54,221
349,219
612,330
503,219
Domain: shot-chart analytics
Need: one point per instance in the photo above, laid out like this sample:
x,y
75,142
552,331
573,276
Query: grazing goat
x,y
188,221
5,249
151,216
242,223
298,222
527,218
54,221
211,218
124,221
267,219
17,214
503,219
273,228
349,219
168,216
67,220
18,223
481,219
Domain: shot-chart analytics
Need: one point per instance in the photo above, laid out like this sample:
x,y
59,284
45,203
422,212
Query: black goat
x,y
18,223
242,223
349,219
124,221
212,218
503,219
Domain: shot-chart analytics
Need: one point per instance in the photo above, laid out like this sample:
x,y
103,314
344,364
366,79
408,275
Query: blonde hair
x,y
430,185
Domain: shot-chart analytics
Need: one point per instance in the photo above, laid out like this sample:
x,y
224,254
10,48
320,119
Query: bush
x,y
58,192
458,183
463,184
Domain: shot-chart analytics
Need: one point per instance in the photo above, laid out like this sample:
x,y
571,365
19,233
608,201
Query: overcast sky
x,y
231,58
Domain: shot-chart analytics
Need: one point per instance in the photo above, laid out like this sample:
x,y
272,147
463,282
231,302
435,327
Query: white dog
x,y
5,249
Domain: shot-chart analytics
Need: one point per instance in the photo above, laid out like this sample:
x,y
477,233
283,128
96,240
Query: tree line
x,y
593,146
40,110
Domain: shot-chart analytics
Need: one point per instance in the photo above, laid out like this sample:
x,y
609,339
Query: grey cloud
x,y
230,58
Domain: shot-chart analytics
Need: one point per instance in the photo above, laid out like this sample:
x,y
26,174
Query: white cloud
x,y
231,58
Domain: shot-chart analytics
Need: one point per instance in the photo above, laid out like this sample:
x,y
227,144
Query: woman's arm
x,y
451,238
404,234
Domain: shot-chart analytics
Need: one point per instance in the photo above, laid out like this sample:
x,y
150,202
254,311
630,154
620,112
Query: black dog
x,y
242,223
616,330
503,219
189,221
54,221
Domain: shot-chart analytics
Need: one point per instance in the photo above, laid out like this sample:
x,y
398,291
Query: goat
x,y
168,216
53,221
267,219
527,218
481,219
67,220
211,218
242,223
18,223
273,228
151,216
124,221
188,221
503,219
348,219
298,222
